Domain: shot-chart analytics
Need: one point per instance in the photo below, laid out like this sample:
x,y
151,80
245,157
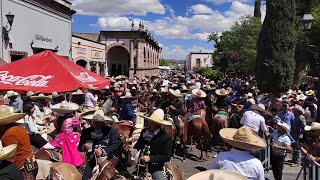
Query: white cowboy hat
x,y
249,95
154,91
31,93
217,175
164,90
242,138
55,94
301,97
7,116
11,94
222,92
7,151
251,101
97,112
41,96
314,126
284,125
299,92
133,88
199,93
78,92
184,88
157,117
106,87
175,93
65,107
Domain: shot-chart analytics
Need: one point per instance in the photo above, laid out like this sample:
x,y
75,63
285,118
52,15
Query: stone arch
x,y
119,45
118,60
82,61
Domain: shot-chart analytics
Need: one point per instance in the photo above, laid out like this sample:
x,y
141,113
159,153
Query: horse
x,y
62,171
104,170
198,129
219,122
48,155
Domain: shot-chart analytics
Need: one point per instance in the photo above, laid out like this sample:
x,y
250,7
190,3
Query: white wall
x,y
205,60
30,21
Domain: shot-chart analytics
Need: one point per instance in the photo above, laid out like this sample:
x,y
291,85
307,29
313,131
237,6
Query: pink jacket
x,y
68,142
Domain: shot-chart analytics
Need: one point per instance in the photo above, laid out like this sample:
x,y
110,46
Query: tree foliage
x,y
209,73
275,62
164,62
236,49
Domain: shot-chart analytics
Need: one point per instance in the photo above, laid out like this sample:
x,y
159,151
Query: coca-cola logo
x,y
85,77
33,80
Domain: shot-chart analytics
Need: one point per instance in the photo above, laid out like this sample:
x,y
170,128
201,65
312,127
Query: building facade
x,y
89,54
38,25
131,53
198,59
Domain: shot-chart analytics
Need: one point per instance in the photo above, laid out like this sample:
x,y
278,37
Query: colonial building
x,y
198,59
89,54
32,26
131,53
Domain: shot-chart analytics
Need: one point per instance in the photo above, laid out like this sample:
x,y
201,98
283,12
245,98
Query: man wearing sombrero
x,y
15,101
158,140
127,110
239,159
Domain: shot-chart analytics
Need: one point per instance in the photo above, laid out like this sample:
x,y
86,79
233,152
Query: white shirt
x,y
31,124
254,121
198,85
90,100
283,141
241,162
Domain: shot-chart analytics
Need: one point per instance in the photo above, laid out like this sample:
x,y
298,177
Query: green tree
x,y
275,62
236,49
164,62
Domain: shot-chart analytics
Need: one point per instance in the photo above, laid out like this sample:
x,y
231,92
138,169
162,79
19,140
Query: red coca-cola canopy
x,y
47,72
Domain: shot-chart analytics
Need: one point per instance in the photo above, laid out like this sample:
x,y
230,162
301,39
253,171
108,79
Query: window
x,y
198,62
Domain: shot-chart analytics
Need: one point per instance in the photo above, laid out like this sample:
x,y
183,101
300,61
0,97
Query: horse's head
x,y
107,171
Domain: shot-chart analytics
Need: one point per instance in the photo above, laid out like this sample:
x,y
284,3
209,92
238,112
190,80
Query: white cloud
x,y
107,8
224,1
178,52
200,9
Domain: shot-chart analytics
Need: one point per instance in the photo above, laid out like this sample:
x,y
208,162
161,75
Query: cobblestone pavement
x,y
193,166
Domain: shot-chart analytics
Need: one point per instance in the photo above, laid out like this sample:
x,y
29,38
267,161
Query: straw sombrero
x,y
65,107
11,94
175,93
41,96
157,117
7,151
260,107
78,92
285,126
98,112
91,87
314,127
7,116
242,138
309,93
31,93
217,175
222,92
199,93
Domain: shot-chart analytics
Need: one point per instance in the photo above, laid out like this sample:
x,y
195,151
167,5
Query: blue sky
x,y
180,26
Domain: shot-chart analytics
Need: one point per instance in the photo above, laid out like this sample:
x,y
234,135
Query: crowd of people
x,y
241,120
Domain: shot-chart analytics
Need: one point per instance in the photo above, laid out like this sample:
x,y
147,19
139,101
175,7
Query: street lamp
x,y
10,18
6,30
307,20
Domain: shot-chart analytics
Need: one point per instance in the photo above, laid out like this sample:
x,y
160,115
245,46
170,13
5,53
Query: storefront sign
x,y
81,50
84,77
33,80
96,54
39,37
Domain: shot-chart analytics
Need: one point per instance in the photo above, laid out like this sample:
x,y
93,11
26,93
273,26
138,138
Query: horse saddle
x,y
53,155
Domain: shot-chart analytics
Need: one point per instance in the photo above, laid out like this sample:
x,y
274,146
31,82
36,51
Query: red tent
x,y
47,72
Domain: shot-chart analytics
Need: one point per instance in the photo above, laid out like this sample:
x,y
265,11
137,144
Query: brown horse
x,y
63,171
49,155
172,171
198,130
219,122
105,171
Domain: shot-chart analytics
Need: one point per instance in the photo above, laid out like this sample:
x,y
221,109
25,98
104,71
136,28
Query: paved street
x,y
193,166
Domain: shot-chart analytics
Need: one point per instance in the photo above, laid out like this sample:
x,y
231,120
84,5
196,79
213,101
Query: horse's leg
x,y
184,148
191,142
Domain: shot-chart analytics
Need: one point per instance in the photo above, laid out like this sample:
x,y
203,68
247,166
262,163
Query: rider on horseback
x,y
175,108
160,144
98,135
